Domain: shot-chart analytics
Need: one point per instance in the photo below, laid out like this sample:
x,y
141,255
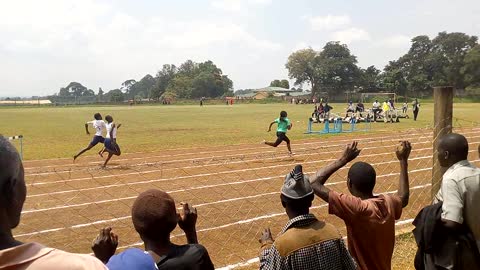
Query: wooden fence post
x,y
442,120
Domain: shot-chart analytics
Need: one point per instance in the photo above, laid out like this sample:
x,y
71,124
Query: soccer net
x,y
381,97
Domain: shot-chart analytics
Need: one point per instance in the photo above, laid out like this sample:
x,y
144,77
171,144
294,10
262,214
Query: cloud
x,y
328,22
350,35
237,5
396,41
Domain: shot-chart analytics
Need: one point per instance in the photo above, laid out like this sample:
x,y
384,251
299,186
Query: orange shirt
x,y
370,227
38,257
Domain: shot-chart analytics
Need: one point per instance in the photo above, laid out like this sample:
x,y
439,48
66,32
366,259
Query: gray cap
x,y
297,185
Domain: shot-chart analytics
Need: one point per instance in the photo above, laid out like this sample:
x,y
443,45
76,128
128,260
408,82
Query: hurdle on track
x,y
338,126
20,138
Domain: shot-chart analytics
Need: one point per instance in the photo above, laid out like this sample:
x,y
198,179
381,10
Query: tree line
x,y
190,80
448,59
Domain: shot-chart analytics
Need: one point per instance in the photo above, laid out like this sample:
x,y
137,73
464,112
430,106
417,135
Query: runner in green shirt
x,y
284,124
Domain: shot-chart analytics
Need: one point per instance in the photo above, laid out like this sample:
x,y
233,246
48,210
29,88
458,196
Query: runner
x,y
284,124
99,125
111,145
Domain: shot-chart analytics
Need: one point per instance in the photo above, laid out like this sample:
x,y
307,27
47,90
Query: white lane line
x,y
181,177
209,158
363,138
180,190
218,202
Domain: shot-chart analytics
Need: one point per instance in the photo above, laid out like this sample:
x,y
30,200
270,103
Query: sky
x,y
46,44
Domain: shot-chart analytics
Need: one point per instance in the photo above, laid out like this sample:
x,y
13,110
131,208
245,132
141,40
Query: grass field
x,y
210,157
53,132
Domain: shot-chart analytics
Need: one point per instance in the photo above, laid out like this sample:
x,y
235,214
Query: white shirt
x,y
460,194
98,125
376,105
109,128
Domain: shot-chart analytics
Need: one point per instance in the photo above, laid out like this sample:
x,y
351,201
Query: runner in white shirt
x,y
99,126
111,145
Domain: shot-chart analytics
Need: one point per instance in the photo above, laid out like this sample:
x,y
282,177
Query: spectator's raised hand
x,y
403,150
351,152
266,238
105,245
187,219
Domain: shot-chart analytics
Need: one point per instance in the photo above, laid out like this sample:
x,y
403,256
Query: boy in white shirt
x,y
99,126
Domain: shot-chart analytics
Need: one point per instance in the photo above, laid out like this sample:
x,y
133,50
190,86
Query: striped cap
x,y
297,185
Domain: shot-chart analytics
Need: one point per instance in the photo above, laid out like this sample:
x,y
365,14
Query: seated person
x,y
305,242
154,217
13,253
360,107
350,108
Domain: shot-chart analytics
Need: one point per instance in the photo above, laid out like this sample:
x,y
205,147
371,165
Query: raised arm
x,y
403,152
111,131
270,127
119,125
318,180
105,244
187,220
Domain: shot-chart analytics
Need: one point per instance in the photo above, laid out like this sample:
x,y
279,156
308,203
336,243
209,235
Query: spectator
x,y
327,110
154,217
370,219
360,107
15,254
350,108
460,190
376,110
305,242
415,108
386,107
404,107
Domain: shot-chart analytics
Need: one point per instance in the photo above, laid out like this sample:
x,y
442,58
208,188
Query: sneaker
x,y
264,141
290,153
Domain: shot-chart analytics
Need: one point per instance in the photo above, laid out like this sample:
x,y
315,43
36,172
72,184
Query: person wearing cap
x,y
305,242
13,253
154,217
370,219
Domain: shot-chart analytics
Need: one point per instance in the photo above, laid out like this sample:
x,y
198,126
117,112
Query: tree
x,y
303,66
143,86
471,68
369,79
116,95
127,85
338,68
163,78
75,89
282,83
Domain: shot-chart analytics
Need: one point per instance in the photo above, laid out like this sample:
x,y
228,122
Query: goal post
x,y
380,96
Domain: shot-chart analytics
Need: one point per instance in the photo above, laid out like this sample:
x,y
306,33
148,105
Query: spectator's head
x,y
376,100
361,179
109,119
283,114
12,186
154,216
452,148
296,194
97,116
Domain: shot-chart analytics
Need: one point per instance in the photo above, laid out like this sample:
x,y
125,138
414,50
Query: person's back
x,y
185,257
370,227
464,178
38,257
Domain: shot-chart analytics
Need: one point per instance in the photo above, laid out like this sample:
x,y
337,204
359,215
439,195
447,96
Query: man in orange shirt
x,y
15,254
370,219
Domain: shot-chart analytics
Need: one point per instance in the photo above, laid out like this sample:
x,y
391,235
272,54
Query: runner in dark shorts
x,y
99,126
111,145
284,124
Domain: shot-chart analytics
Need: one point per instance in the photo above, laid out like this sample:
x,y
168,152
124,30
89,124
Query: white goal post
x,y
365,96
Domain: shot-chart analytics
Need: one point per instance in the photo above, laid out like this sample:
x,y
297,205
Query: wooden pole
x,y
442,119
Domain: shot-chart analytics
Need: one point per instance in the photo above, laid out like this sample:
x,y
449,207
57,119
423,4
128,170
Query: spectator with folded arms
x,y
13,253
370,219
154,217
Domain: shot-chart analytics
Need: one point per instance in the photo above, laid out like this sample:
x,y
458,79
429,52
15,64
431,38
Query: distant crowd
x,y
447,232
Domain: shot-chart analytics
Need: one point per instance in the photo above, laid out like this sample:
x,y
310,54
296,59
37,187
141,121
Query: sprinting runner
x,y
99,125
111,145
284,124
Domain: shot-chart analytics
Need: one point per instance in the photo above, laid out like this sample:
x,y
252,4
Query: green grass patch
x,y
55,132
